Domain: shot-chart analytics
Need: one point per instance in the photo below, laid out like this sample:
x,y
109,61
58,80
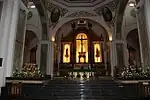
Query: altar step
x,y
98,89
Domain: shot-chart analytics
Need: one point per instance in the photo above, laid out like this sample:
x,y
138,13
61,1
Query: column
x,y
44,56
24,35
20,40
50,66
126,54
113,59
117,52
147,20
120,54
147,15
12,38
143,23
8,31
4,27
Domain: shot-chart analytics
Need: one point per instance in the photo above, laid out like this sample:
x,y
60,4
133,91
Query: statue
x,y
97,53
67,55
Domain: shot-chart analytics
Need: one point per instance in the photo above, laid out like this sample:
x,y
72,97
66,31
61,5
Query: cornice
x,y
81,14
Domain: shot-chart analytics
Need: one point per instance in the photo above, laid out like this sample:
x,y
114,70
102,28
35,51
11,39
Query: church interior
x,y
74,49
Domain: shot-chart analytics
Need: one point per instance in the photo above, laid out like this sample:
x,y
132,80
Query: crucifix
x,y
82,53
82,43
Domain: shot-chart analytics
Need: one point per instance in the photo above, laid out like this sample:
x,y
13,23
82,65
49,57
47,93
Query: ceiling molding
x,y
81,14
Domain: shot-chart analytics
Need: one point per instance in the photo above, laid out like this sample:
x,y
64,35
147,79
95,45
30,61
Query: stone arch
x,y
99,21
133,35
35,30
133,45
106,33
129,29
31,43
30,35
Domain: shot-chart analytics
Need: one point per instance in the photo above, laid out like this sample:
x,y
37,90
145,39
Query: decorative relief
x,y
51,6
81,14
112,6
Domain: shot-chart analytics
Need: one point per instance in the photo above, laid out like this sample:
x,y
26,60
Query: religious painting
x,y
55,15
97,52
66,53
81,48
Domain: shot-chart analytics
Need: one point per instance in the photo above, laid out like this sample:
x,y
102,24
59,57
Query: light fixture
x,y
52,39
32,6
110,38
132,4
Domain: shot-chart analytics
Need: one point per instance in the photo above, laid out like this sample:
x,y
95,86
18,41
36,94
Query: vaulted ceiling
x,y
80,3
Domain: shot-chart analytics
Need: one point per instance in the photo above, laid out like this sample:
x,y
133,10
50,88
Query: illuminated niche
x,y
97,52
66,53
81,48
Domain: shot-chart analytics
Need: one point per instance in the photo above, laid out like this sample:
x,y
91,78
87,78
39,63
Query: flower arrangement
x,y
133,73
28,71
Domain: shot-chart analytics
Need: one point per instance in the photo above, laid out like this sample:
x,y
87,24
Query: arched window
x,y
81,48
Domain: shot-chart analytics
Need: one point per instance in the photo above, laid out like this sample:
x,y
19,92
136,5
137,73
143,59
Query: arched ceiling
x,y
133,38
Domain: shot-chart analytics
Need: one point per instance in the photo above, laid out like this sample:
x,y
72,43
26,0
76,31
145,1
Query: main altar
x,y
83,49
